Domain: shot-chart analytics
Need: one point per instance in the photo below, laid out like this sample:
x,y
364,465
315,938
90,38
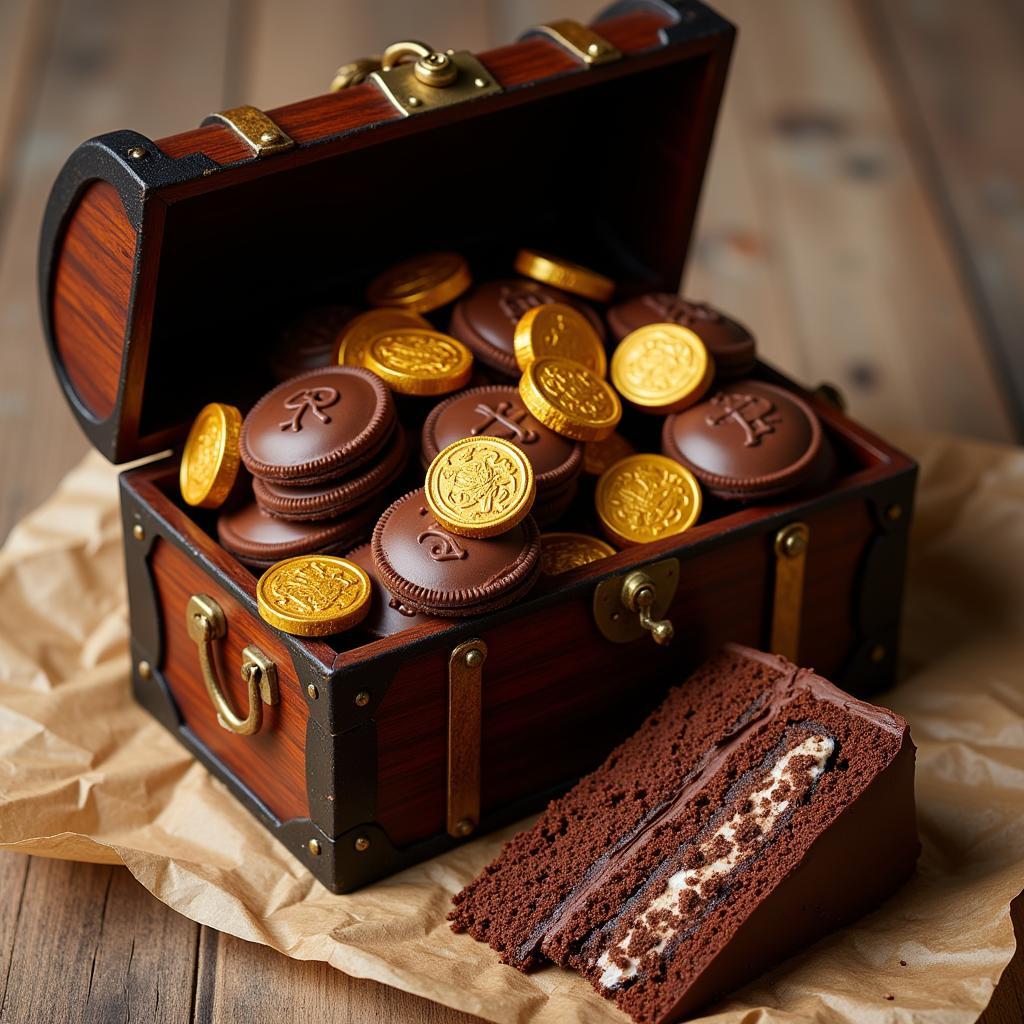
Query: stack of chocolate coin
x,y
322,448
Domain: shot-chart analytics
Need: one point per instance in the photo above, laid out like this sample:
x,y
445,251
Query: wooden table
x,y
863,214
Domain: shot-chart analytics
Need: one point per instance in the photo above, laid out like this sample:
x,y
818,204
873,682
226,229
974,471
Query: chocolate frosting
x,y
486,318
731,345
317,426
428,568
387,615
498,411
309,341
749,439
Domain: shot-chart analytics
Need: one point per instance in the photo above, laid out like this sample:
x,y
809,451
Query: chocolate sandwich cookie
x,y
750,440
387,614
259,540
486,318
730,344
498,411
335,498
309,341
432,571
319,426
555,504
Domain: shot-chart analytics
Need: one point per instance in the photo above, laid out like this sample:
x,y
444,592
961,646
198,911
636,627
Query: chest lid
x,y
167,266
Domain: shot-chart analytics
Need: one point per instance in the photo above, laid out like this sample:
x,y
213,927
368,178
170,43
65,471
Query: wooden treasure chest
x,y
166,264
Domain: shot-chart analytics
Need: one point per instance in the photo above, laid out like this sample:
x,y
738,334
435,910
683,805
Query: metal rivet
x,y
362,699
463,827
314,847
138,532
474,658
594,49
268,137
362,844
136,152
414,101
145,670
878,653
314,693
480,83
894,512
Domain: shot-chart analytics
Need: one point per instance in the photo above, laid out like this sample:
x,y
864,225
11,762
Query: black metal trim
x,y
690,18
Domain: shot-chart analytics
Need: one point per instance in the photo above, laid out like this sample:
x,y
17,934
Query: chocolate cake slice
x,y
756,809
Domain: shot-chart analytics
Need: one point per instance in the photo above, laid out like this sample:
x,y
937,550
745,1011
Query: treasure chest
x,y
162,265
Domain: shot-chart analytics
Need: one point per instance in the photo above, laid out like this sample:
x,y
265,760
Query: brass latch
x,y
206,623
417,78
465,694
791,544
255,129
625,609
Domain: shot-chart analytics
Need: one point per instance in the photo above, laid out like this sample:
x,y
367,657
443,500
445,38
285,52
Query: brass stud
x,y
414,101
314,847
878,653
362,699
267,137
792,542
362,844
314,693
136,153
594,49
463,827
145,670
480,83
138,532
894,512
474,658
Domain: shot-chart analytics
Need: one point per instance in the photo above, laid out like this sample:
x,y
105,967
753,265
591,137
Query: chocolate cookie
x,y
486,318
387,615
337,497
752,440
731,345
430,570
309,341
317,427
498,411
259,540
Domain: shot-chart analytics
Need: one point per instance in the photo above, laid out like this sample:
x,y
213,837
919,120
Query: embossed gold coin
x,y
555,329
480,486
662,368
209,463
643,498
423,283
417,361
570,399
559,273
560,552
362,329
599,455
314,595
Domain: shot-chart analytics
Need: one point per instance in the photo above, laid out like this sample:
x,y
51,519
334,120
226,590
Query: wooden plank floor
x,y
863,213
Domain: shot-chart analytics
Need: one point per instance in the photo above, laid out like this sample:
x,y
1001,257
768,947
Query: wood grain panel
x,y
272,763
91,291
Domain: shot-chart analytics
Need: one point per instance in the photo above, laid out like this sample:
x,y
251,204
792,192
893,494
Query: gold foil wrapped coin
x,y
209,463
555,329
416,361
560,552
662,368
480,486
599,455
314,595
559,273
362,329
422,283
570,399
643,498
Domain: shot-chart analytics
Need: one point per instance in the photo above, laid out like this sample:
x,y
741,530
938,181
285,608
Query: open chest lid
x,y
165,267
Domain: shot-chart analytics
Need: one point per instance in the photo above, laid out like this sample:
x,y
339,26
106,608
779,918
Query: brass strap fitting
x,y
581,42
465,695
255,129
791,543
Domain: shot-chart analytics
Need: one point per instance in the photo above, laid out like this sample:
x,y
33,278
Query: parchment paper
x,y
85,774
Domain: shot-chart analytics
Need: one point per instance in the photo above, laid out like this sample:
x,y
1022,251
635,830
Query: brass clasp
x,y
625,609
206,623
639,595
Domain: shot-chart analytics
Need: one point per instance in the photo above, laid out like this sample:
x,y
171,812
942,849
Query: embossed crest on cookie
x,y
480,486
415,361
314,595
555,329
210,459
662,368
570,399
644,497
560,552
422,283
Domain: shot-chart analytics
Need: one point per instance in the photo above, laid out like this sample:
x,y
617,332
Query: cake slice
x,y
756,809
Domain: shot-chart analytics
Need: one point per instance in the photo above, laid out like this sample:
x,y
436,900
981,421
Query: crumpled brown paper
x,y
85,774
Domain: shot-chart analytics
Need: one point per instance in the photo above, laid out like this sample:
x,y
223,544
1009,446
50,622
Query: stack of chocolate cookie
x,y
322,448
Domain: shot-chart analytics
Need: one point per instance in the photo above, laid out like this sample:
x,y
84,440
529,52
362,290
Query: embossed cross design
x,y
754,413
313,399
674,309
514,302
510,417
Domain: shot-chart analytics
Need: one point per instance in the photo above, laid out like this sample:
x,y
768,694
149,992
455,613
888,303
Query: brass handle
x,y
639,595
206,623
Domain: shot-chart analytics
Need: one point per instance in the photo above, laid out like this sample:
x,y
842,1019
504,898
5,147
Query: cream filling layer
x,y
767,806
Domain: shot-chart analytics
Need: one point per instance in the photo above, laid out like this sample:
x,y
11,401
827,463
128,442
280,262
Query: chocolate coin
x,y
314,595
556,329
352,342
209,462
662,368
559,273
415,361
422,283
570,399
560,552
